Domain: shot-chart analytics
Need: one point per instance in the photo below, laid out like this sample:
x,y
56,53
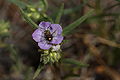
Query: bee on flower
x,y
49,36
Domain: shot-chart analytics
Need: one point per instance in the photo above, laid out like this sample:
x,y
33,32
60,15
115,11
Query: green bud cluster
x,y
32,12
50,56
4,26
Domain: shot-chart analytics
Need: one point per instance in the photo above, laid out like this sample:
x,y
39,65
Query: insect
x,y
48,35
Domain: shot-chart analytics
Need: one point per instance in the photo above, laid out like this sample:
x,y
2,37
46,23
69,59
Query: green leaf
x,y
65,41
71,10
4,26
59,14
75,62
76,8
45,3
18,3
76,23
15,57
40,67
28,20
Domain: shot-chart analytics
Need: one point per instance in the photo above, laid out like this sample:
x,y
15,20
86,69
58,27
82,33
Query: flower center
x,y
48,35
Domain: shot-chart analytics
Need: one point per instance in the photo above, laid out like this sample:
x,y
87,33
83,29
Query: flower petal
x,y
56,48
56,28
44,25
57,39
44,45
37,35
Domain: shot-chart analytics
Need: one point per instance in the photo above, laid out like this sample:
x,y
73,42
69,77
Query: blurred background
x,y
95,42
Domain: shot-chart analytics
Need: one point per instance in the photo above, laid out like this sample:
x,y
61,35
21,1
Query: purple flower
x,y
47,35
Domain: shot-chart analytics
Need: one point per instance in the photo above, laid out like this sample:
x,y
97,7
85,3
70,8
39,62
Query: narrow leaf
x,y
59,14
76,8
75,62
28,20
40,67
76,23
70,10
45,3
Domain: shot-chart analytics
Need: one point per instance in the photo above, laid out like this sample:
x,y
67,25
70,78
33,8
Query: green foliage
x,y
15,57
42,4
77,8
76,23
18,3
4,26
57,21
74,62
33,12
18,67
70,10
47,57
50,57
29,21
45,3
4,32
105,22
40,67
